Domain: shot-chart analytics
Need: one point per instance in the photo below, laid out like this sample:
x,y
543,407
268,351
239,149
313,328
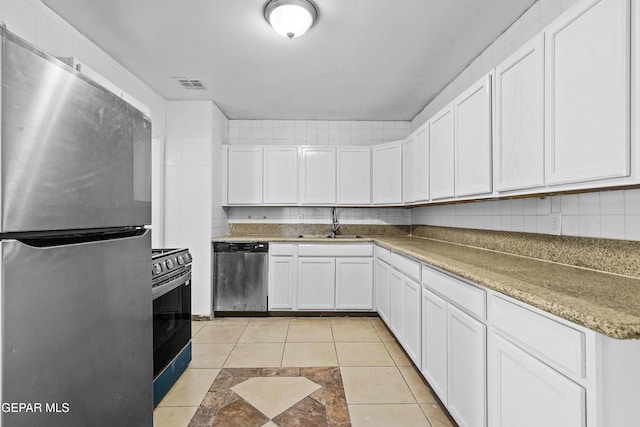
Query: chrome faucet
x,y
334,222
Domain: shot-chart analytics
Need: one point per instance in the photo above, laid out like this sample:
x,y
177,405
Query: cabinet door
x,y
318,175
519,136
354,175
412,297
434,343
354,283
280,175
382,277
422,165
473,139
441,154
396,314
588,93
409,169
387,173
527,393
316,283
244,175
281,283
466,368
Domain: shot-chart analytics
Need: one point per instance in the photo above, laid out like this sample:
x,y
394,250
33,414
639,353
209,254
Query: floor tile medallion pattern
x,y
286,397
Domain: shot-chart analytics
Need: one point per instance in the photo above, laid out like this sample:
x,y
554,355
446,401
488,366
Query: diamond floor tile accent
x,y
267,397
272,395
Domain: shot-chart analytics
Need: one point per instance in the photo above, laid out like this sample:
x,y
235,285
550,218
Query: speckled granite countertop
x,y
603,302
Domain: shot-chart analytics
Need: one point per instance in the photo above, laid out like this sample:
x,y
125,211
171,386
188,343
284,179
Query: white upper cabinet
x,y
244,175
422,163
588,91
473,139
409,169
354,175
387,173
415,160
280,175
441,154
318,175
519,119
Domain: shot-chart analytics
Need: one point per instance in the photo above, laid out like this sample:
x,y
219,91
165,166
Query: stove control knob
x,y
170,264
156,269
180,260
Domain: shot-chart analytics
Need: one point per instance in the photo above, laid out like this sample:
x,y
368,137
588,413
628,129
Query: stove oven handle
x,y
160,290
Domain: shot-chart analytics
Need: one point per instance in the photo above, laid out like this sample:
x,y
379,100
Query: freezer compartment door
x,y
77,330
74,155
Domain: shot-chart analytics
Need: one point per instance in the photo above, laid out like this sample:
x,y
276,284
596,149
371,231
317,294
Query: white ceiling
x,y
363,60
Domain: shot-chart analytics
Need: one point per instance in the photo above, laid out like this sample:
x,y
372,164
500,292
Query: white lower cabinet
x,y
528,393
454,359
494,361
466,359
395,304
454,354
434,343
281,282
354,283
412,312
316,283
404,305
382,276
321,277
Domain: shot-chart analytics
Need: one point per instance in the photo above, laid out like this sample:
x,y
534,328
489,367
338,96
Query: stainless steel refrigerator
x,y
75,264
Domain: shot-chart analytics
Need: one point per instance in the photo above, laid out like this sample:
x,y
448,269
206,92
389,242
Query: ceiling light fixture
x,y
291,18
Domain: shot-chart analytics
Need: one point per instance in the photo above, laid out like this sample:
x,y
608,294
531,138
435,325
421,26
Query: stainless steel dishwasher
x,y
240,273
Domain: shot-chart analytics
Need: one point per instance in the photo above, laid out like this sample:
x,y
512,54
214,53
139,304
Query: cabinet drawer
x,y
408,266
462,294
382,254
335,250
282,249
550,340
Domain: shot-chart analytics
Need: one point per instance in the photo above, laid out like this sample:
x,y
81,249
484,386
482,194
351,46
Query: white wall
x,y
196,131
315,132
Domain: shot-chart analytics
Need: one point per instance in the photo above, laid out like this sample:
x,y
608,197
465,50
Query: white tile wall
x,y
536,18
315,132
196,131
608,214
307,215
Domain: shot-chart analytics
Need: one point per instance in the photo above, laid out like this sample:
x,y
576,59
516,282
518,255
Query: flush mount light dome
x,y
291,18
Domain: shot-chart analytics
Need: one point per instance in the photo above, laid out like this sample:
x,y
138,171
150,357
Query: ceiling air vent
x,y
192,84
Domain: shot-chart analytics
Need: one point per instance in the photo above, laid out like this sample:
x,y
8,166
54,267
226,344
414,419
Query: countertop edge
x,y
616,330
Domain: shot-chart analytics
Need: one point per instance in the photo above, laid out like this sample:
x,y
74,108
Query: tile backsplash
x,y
607,214
306,215
315,132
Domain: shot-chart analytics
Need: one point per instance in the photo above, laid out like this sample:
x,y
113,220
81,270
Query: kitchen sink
x,y
328,236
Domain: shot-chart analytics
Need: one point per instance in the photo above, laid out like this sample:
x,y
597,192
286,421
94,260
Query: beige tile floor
x,y
382,387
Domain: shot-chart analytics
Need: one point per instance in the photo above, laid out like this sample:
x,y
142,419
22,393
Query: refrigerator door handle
x,y
37,240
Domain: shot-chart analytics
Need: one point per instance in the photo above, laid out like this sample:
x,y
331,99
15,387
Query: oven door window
x,y
171,325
